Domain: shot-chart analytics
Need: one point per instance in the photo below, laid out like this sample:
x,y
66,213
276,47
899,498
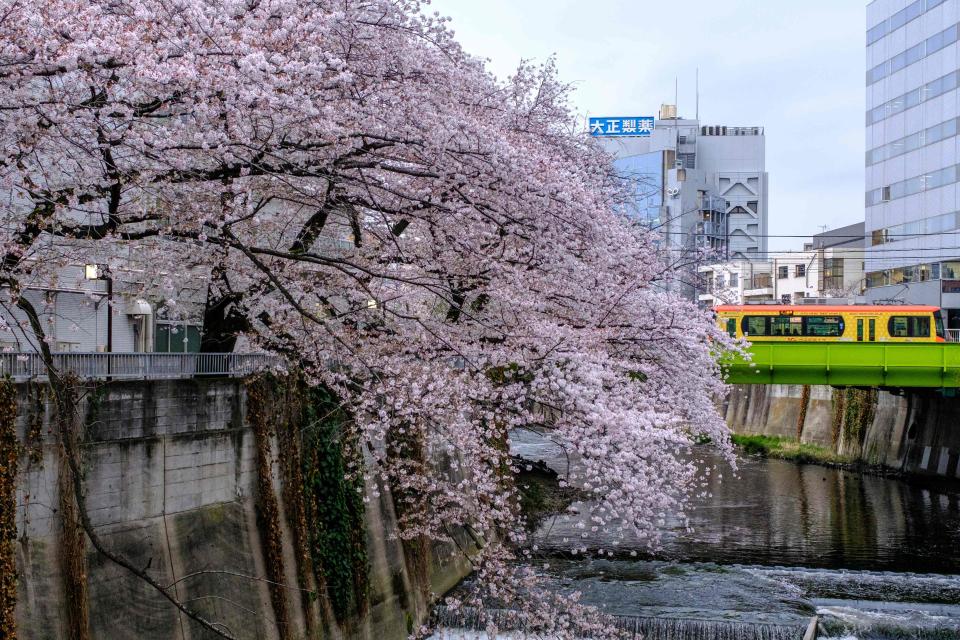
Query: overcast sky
x,y
795,68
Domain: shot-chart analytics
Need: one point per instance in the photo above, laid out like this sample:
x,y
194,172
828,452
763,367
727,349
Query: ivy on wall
x,y
73,562
260,401
334,503
290,397
853,412
861,407
9,449
838,401
802,416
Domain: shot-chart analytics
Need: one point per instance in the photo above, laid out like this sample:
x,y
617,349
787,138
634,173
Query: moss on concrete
x,y
787,449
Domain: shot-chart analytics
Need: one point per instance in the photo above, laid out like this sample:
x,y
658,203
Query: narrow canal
x,y
875,558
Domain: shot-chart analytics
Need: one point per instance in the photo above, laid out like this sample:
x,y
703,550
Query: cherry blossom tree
x,y
441,248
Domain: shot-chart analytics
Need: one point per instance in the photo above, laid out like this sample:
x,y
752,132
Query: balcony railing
x,y
138,366
953,335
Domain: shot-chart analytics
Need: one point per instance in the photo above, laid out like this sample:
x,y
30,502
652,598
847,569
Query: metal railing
x,y
953,335
138,366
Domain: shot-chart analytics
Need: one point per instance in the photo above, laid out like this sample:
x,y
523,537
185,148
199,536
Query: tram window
x,y
732,327
909,327
786,326
823,326
754,325
779,326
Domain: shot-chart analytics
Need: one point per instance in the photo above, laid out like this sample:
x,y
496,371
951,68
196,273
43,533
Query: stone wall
x,y
916,431
170,476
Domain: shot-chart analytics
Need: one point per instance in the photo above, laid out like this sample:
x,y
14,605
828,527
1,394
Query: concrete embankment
x,y
176,483
915,431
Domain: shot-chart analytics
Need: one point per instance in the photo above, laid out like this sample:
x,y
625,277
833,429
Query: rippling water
x,y
780,513
876,558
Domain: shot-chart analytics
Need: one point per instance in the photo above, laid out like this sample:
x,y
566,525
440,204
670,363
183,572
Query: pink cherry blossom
x,y
441,248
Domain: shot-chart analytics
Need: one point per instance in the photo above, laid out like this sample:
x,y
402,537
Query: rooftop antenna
x,y
676,94
698,95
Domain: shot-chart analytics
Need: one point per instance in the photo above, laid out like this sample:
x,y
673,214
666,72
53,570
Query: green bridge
x,y
849,364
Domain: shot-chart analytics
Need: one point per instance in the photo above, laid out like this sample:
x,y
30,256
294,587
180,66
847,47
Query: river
x,y
874,557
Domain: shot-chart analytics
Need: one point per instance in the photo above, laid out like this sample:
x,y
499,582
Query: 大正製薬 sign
x,y
630,126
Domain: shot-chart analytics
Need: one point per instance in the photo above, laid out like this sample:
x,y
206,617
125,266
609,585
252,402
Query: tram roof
x,y
817,308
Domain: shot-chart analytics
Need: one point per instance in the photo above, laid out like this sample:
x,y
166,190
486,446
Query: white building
x,y
698,186
84,311
830,267
913,153
787,278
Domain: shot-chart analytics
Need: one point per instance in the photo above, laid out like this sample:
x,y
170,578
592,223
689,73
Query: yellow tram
x,y
822,323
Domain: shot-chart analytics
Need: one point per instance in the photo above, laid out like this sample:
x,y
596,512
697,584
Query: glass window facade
x,y
914,141
644,174
934,225
914,273
914,54
916,184
911,12
833,274
912,98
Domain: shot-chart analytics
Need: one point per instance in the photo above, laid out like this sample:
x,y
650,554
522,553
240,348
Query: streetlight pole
x,y
109,280
101,272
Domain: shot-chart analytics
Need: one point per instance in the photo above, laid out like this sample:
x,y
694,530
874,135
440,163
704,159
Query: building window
x,y
833,274
783,272
800,271
734,280
719,282
909,327
950,270
176,338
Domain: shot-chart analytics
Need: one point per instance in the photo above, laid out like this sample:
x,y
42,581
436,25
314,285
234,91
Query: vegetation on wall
x,y
860,409
802,416
260,401
73,564
405,447
9,447
290,397
838,403
786,449
334,502
34,436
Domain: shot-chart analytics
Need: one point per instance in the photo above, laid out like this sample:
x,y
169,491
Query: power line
x,y
849,237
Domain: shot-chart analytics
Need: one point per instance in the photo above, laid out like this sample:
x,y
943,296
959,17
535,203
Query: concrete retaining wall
x,y
170,476
916,431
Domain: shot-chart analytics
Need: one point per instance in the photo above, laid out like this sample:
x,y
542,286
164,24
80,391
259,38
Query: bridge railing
x,y
953,335
137,366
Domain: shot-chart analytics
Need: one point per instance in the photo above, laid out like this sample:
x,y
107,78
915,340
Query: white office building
x,y
913,153
700,186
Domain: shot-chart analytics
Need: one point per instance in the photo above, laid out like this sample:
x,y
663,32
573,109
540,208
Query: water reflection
x,y
780,513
